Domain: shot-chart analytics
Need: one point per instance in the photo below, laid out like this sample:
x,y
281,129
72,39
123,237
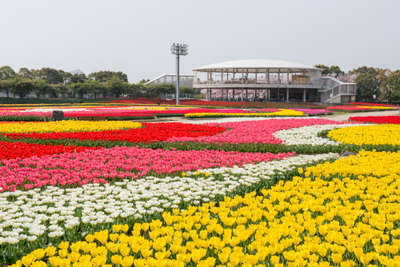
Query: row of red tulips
x,y
377,119
23,150
150,132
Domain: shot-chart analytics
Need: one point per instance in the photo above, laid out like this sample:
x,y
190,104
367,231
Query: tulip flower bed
x,y
17,150
57,211
279,113
125,112
66,126
377,119
266,135
207,193
341,213
101,165
260,131
150,132
383,134
313,112
369,104
261,113
359,107
309,135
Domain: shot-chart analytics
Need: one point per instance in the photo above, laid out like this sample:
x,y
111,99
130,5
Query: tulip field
x,y
115,111
242,189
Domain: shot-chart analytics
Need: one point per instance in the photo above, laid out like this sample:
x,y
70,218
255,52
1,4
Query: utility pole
x,y
178,50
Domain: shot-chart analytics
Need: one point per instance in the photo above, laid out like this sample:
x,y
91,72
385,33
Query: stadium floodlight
x,y
178,50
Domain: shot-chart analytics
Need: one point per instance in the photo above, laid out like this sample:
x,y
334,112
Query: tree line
x,y
53,83
373,84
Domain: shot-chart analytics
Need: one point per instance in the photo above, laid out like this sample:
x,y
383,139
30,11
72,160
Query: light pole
x,y
178,50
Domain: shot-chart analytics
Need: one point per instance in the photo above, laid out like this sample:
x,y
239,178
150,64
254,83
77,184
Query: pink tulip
x,y
253,131
80,168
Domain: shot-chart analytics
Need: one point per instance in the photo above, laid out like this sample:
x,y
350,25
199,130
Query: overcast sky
x,y
135,36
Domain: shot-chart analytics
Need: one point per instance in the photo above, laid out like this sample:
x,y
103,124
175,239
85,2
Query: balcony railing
x,y
249,81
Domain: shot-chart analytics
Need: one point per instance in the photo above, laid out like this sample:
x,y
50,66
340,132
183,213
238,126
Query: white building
x,y
270,80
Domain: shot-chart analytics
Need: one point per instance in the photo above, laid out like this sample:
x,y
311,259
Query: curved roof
x,y
254,64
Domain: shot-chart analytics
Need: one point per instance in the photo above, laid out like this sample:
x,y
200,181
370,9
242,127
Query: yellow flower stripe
x,y
381,134
66,126
373,163
281,112
376,107
307,221
145,108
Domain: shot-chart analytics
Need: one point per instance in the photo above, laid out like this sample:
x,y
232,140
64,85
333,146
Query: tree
x,y
52,76
78,78
187,91
35,74
93,87
382,75
63,90
6,72
159,90
22,87
367,86
335,70
324,69
363,69
79,89
105,76
393,83
41,88
53,90
65,76
6,85
116,86
366,81
136,90
25,73
144,80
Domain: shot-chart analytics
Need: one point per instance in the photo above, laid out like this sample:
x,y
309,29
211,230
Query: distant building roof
x,y
252,64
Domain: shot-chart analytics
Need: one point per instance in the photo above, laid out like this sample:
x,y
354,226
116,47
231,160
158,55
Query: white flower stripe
x,y
308,135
